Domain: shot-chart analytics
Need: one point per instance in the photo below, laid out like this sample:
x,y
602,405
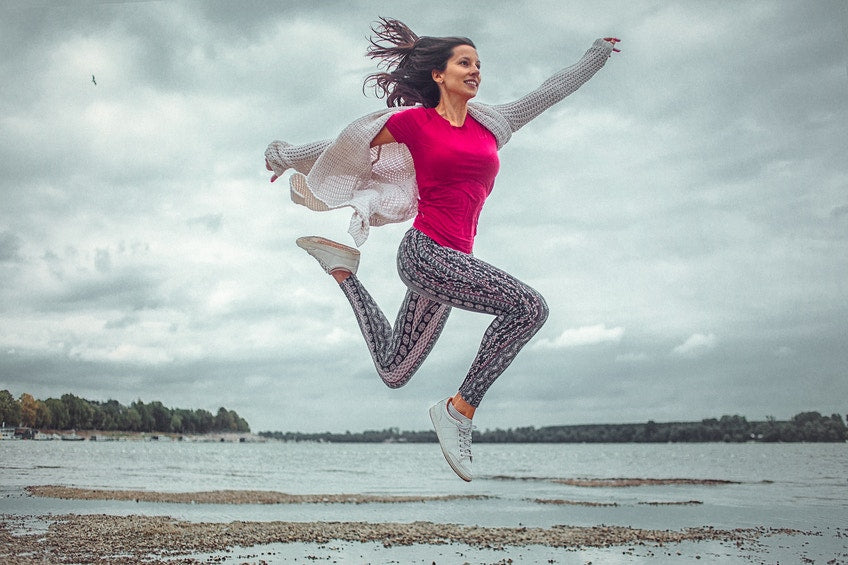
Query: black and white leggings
x,y
437,279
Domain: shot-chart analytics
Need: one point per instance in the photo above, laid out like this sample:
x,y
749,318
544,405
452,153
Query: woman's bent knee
x,y
540,310
533,310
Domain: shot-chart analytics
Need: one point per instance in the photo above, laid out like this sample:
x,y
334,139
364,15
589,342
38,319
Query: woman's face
x,y
462,73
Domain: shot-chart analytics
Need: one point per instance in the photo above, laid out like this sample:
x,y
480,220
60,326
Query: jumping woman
x,y
432,155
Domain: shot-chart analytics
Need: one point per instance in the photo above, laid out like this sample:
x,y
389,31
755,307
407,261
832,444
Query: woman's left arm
x,y
560,85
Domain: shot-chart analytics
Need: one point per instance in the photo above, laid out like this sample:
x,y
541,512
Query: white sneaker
x,y
330,255
454,439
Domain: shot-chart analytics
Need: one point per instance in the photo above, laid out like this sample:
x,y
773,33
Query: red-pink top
x,y
455,168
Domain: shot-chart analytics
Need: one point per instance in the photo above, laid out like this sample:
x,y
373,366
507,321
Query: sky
x,y
685,213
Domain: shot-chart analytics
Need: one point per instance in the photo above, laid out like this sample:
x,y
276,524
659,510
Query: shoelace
x,y
465,440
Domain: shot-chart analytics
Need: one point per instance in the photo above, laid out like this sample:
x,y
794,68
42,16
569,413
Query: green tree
x,y
176,422
42,415
148,424
205,421
80,413
837,429
113,415
60,418
224,420
161,417
10,409
183,421
132,421
241,424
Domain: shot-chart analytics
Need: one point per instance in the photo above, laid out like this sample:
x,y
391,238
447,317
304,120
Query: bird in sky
x,y
94,81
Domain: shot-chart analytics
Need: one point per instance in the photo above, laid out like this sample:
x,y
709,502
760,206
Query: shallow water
x,y
801,486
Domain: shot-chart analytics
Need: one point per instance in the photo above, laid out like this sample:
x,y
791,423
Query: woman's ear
x,y
438,76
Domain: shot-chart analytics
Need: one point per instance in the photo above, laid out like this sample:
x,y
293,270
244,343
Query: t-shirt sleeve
x,y
403,125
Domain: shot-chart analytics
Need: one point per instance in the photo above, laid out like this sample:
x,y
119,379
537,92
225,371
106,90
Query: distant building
x,y
17,433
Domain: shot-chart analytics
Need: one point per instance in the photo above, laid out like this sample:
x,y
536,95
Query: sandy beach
x,y
152,539
230,496
103,538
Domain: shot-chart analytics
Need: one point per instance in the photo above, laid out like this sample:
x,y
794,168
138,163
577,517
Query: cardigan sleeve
x,y
377,182
555,88
283,156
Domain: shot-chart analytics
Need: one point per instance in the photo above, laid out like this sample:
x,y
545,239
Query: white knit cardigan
x,y
379,183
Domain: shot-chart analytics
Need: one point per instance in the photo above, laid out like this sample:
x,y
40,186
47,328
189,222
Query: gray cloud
x,y
211,222
10,246
683,213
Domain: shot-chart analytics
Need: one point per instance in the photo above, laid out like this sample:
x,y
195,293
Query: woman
x,y
433,155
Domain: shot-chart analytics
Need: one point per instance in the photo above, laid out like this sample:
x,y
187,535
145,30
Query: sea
x,y
794,486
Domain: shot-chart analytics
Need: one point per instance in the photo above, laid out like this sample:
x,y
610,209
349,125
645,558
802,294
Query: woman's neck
x,y
453,110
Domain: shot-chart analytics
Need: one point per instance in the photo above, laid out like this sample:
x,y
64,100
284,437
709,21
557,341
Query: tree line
x,y
74,413
803,427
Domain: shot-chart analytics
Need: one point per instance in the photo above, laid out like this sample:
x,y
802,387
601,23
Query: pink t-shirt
x,y
455,168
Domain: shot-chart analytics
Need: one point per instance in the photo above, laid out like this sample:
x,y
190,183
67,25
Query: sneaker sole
x,y
303,243
458,472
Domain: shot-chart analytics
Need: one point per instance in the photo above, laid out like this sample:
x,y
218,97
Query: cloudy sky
x,y
685,213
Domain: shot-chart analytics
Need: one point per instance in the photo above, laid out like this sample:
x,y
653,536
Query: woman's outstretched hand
x,y
268,166
613,40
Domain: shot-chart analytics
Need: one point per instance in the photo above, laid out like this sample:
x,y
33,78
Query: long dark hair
x,y
409,62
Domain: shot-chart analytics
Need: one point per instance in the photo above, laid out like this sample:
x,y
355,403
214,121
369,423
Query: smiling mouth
x,y
473,83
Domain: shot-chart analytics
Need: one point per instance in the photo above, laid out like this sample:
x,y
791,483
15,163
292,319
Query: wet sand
x,y
614,504
156,539
72,538
230,496
273,497
618,482
639,482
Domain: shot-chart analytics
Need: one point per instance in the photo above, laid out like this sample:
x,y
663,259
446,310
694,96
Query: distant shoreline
x,y
109,436
805,427
368,437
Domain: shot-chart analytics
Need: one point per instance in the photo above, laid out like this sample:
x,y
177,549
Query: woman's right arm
x,y
383,137
280,156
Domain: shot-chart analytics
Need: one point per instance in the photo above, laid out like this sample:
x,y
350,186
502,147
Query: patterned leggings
x,y
438,278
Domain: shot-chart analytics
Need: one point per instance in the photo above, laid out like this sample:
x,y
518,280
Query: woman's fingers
x,y
613,41
268,166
